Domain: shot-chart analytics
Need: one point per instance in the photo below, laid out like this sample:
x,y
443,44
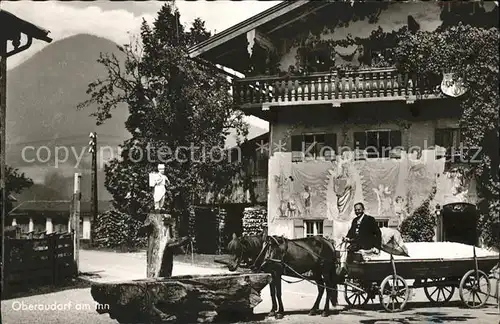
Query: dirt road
x,y
297,299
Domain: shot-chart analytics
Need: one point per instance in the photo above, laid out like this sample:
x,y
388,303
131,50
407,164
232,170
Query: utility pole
x,y
77,196
94,207
3,110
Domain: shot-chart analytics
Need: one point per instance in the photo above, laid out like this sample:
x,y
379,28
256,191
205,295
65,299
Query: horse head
x,y
235,248
273,250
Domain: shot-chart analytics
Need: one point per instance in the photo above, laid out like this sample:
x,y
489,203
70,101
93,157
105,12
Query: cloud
x,y
117,21
97,18
64,21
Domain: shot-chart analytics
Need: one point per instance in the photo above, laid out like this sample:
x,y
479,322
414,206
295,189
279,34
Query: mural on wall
x,y
389,188
456,186
309,188
343,178
380,186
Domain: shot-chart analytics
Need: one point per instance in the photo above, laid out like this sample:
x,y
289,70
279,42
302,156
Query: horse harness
x,y
282,261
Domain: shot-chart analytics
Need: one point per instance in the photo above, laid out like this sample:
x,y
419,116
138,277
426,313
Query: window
x,y
377,143
261,162
312,228
449,138
313,146
382,222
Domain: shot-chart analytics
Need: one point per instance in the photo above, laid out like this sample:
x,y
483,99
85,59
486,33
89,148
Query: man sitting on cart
x,y
364,234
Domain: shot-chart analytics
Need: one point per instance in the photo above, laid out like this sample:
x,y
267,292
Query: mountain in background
x,y
42,95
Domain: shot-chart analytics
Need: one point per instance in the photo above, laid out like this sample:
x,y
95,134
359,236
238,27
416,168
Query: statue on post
x,y
160,182
158,222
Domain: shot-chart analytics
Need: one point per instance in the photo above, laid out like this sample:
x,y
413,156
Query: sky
x,y
116,20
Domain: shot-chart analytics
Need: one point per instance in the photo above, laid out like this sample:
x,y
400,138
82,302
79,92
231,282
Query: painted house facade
x,y
345,126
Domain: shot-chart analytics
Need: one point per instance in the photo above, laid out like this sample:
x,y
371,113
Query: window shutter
x,y
438,137
359,145
441,138
360,140
298,228
395,138
331,146
328,228
297,148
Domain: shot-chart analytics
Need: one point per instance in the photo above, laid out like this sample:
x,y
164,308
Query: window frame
x,y
379,154
456,136
261,162
382,222
299,156
318,225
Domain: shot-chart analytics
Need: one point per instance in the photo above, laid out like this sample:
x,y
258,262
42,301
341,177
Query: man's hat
x,y
161,166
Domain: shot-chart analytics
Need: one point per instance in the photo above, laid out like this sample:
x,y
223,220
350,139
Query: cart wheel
x,y
394,293
353,296
474,293
439,293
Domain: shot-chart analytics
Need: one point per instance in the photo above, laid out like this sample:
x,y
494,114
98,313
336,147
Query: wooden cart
x,y
438,277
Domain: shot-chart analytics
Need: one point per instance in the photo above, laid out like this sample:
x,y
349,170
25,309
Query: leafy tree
x,y
174,102
471,53
15,183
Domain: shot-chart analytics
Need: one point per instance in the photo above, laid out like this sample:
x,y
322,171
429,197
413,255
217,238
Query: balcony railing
x,y
350,86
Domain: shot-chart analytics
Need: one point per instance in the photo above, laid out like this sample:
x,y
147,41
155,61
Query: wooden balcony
x,y
332,88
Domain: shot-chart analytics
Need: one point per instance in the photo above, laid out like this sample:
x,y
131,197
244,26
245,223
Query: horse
x,y
280,256
245,248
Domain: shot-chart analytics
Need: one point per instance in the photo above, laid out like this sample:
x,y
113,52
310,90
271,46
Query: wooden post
x,y
76,219
94,195
158,223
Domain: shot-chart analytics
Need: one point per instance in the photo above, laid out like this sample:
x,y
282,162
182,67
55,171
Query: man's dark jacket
x,y
369,235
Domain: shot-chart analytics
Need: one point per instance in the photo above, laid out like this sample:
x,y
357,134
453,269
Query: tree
x,y
15,183
180,112
471,53
419,227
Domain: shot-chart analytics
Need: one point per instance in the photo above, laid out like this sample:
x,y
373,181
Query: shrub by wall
x,y
420,226
254,220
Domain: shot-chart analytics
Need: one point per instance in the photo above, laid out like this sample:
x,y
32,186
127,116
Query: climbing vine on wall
x,y
471,53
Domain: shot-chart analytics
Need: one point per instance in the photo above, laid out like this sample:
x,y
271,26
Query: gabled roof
x,y
58,206
246,26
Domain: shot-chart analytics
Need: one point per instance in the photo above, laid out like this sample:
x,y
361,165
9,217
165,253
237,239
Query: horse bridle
x,y
265,247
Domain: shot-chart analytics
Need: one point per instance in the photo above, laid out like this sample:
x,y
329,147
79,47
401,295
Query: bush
x,y
116,230
419,227
489,222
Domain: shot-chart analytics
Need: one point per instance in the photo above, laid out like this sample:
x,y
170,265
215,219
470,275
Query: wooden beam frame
x,y
264,41
298,18
245,26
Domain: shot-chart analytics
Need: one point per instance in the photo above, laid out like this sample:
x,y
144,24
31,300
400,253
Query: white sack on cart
x,y
392,242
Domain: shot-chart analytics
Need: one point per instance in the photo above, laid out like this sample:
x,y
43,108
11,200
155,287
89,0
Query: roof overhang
x,y
11,26
245,26
224,47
